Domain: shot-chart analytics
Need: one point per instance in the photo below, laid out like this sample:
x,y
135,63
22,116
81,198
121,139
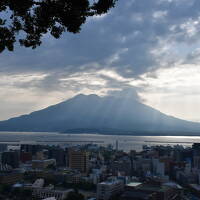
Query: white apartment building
x,y
109,188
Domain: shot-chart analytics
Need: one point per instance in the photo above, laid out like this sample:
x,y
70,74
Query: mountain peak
x,y
91,112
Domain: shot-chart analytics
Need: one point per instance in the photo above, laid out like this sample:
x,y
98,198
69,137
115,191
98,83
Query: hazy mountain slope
x,y
93,112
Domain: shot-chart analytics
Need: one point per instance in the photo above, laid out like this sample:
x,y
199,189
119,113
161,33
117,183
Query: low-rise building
x,y
10,177
109,188
42,193
159,191
42,164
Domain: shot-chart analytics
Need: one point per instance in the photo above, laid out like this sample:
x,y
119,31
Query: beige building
x,y
79,160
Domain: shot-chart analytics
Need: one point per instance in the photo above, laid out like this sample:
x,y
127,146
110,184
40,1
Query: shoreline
x,y
107,134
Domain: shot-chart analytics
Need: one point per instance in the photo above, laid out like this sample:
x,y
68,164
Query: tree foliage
x,y
8,192
74,196
27,21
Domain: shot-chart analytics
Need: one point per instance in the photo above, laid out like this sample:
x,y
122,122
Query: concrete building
x,y
40,155
79,160
73,178
122,166
158,168
10,158
137,195
109,188
31,148
5,168
196,162
42,164
42,193
159,191
25,157
58,154
3,147
10,177
39,183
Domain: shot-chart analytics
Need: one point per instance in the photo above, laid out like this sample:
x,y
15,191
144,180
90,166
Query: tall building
x,y
196,155
31,148
25,157
3,147
78,160
196,162
117,145
10,158
58,154
158,168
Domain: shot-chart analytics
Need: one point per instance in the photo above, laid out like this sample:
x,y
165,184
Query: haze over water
x,y
126,143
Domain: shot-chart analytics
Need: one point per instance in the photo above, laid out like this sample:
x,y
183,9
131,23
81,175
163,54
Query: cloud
x,y
127,27
121,49
129,93
127,34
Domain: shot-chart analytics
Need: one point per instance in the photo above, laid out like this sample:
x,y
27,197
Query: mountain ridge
x,y
103,114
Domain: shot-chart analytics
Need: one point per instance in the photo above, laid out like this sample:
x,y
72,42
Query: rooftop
x,y
195,186
133,184
135,194
153,188
110,182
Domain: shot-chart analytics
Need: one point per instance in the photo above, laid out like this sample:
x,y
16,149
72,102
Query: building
x,y
58,154
42,164
10,158
39,183
159,168
107,189
79,160
74,178
5,168
159,191
137,195
10,177
122,166
196,160
40,155
3,147
131,192
42,193
39,173
31,148
25,157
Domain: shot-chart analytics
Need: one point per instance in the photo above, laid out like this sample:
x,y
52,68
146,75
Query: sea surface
x,y
125,143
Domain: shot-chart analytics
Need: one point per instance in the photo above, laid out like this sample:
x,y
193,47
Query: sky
x,y
148,49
